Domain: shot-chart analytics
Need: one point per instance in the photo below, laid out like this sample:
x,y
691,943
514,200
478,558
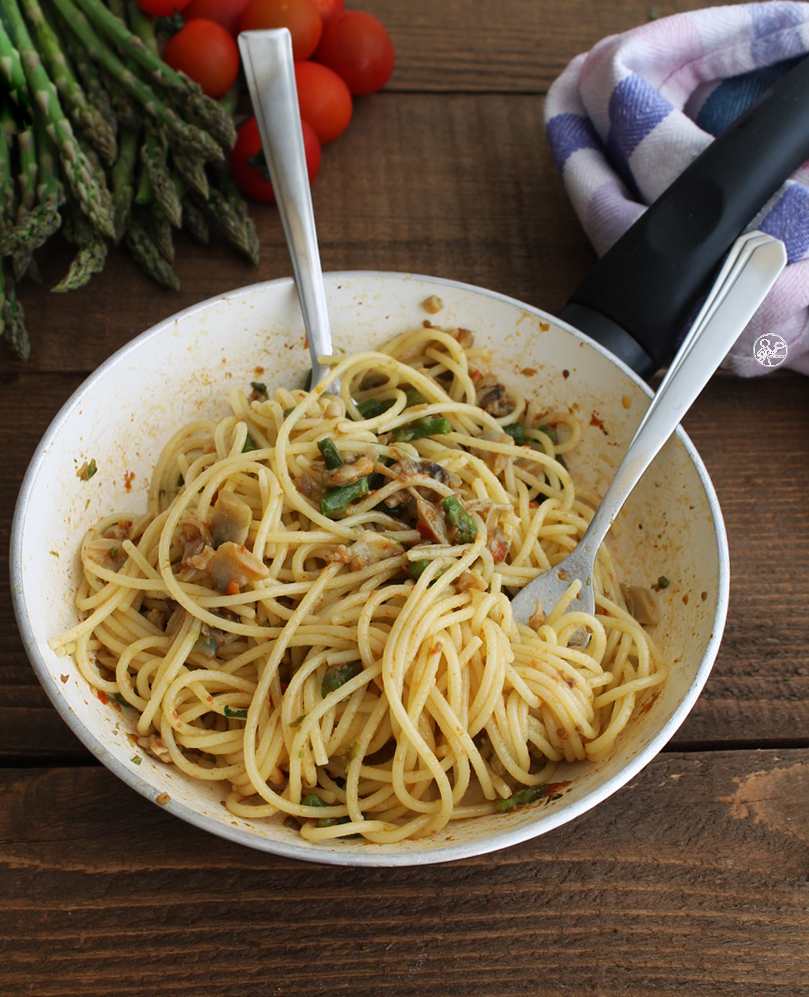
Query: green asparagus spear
x,y
13,317
331,455
370,408
91,250
417,568
192,171
516,431
160,230
27,173
86,184
50,190
88,260
312,800
91,81
194,222
520,797
37,225
185,94
125,109
337,500
143,189
12,69
6,218
153,157
235,227
31,232
414,398
27,181
99,131
222,180
141,25
144,252
123,181
195,140
25,225
8,190
419,428
14,190
463,528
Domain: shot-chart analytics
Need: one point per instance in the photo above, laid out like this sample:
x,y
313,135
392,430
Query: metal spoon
x,y
270,72
750,270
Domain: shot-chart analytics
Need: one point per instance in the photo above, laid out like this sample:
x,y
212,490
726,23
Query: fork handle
x,y
726,312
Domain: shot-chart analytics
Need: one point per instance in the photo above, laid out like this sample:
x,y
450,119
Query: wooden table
x,y
692,880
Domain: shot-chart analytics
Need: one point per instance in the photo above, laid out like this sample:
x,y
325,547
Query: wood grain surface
x,y
690,881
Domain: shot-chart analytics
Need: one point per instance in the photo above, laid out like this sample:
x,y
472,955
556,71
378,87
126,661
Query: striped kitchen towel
x,y
624,119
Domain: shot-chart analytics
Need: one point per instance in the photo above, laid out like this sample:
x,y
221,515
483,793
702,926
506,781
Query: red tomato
x,y
224,12
250,178
358,48
161,8
324,100
300,16
328,8
206,52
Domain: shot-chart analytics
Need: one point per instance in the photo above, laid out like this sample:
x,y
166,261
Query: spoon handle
x,y
755,262
270,72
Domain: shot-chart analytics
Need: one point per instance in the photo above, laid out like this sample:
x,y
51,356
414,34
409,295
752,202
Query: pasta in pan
x,y
315,608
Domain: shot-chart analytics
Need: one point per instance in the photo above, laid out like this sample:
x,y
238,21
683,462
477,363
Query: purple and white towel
x,y
624,119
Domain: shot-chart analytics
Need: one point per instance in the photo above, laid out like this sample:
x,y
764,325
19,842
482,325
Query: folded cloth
x,y
624,119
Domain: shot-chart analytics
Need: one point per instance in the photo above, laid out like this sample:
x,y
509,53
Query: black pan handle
x,y
639,296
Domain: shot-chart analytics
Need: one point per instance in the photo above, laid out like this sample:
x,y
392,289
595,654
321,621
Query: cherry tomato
x,y
161,8
328,8
250,178
206,52
225,12
300,16
324,100
358,48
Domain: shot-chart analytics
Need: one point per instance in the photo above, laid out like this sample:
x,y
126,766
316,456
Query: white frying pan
x,y
183,368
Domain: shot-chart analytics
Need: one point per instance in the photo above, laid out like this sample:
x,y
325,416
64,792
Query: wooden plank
x,y
29,726
512,46
754,439
691,880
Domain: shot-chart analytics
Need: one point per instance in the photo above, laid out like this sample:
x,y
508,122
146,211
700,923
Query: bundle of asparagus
x,y
101,140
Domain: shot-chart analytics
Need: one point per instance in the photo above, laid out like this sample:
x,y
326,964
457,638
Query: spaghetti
x,y
315,608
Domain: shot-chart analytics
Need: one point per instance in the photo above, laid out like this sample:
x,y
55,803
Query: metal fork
x,y
745,279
